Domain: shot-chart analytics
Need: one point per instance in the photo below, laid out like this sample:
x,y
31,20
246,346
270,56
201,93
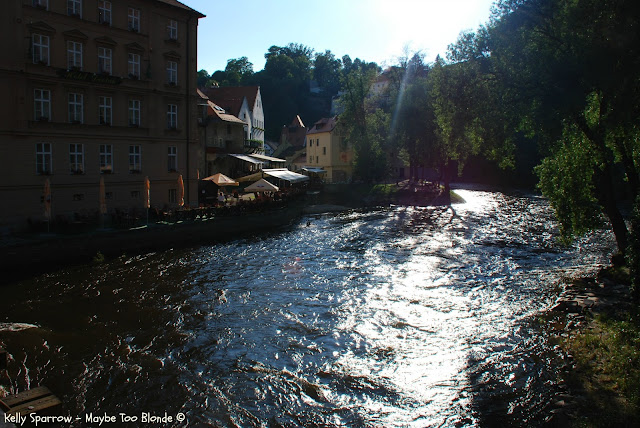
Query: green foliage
x,y
566,178
363,126
608,355
633,255
98,258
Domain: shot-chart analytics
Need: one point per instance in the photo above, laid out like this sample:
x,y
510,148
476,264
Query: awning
x,y
285,174
267,158
247,159
315,170
261,185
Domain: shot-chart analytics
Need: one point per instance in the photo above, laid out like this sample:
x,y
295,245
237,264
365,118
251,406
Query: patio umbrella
x,y
180,191
147,193
261,185
103,199
221,180
47,199
147,196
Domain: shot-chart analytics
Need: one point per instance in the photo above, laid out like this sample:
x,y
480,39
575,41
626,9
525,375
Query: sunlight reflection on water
x,y
390,317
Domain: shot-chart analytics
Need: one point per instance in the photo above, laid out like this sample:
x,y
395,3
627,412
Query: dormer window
x,y
134,20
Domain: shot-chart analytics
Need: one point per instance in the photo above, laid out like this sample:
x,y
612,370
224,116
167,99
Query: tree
x,y
363,125
238,72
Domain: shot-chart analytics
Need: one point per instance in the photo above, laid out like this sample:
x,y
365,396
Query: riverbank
x,y
36,253
597,327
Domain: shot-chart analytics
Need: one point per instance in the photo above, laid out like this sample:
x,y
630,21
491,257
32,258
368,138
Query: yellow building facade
x,y
327,149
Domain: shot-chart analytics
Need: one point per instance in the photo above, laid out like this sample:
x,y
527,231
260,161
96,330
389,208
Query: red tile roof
x,y
323,125
230,98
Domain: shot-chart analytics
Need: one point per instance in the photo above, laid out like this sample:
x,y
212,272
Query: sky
x,y
373,30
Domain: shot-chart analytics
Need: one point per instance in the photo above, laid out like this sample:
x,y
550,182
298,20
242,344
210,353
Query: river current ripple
x,y
395,317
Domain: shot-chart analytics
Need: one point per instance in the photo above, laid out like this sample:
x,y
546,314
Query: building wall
x,y
21,130
257,120
324,150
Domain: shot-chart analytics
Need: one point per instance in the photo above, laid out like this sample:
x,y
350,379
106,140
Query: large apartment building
x,y
92,89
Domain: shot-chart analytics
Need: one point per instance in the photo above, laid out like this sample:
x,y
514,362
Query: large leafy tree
x,y
363,125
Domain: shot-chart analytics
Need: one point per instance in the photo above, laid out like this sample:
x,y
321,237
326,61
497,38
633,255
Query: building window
x,y
134,112
134,66
104,12
76,158
172,116
229,129
42,104
135,194
43,158
135,159
317,159
40,49
173,196
134,20
104,60
78,196
324,150
105,110
74,55
106,158
172,73
74,8
172,29
75,107
173,158
44,4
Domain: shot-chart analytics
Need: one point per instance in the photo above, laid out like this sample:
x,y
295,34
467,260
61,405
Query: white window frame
x,y
44,158
40,49
74,54
172,29
134,65
172,73
105,110
172,158
134,112
76,158
104,12
105,60
42,104
106,158
74,8
76,107
133,15
135,158
172,116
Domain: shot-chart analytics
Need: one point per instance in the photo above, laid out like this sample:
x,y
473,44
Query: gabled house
x,y
293,140
244,102
220,134
328,150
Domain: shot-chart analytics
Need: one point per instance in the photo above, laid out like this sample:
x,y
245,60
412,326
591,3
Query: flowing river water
x,y
395,317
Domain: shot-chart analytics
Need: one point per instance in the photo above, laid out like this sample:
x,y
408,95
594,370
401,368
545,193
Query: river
x,y
394,317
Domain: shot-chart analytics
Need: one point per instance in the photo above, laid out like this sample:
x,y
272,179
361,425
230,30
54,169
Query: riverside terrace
x,y
235,204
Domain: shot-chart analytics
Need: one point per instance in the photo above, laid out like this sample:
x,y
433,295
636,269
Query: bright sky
x,y
372,30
